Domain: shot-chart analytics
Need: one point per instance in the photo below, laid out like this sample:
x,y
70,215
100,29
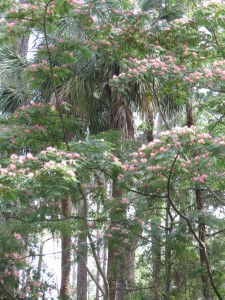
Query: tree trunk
x,y
121,119
121,283
190,115
104,266
113,250
201,225
149,132
22,45
81,268
202,237
82,252
98,275
74,278
168,254
66,207
126,266
156,247
112,270
98,252
156,261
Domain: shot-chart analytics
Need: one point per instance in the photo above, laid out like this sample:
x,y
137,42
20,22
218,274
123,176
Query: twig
x,y
215,195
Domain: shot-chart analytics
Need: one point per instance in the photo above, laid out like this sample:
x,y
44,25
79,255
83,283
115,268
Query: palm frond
x,y
11,64
10,99
99,119
13,91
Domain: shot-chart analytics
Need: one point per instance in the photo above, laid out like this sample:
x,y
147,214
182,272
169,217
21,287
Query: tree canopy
x,y
112,143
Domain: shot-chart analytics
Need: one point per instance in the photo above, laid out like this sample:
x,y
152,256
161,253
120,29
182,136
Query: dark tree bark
x,y
82,252
98,252
121,117
66,208
98,275
156,261
201,225
112,272
81,268
149,133
190,114
202,237
168,254
156,241
121,283
126,266
113,249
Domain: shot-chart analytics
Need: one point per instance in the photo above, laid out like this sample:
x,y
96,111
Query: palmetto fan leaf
x,y
10,99
11,64
85,89
13,91
78,92
99,120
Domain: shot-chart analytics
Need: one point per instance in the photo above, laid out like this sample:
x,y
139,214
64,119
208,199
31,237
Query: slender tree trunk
x,y
202,237
149,132
99,259
121,265
66,207
40,261
113,250
81,268
156,261
168,254
104,266
98,275
82,251
156,247
201,225
121,119
74,279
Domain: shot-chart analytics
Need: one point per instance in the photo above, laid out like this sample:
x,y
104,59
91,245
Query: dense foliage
x,y
139,211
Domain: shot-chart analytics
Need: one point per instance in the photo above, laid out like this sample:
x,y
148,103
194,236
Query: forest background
x,y
139,212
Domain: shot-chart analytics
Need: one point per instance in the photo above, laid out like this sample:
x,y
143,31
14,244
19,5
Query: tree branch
x,y
202,245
